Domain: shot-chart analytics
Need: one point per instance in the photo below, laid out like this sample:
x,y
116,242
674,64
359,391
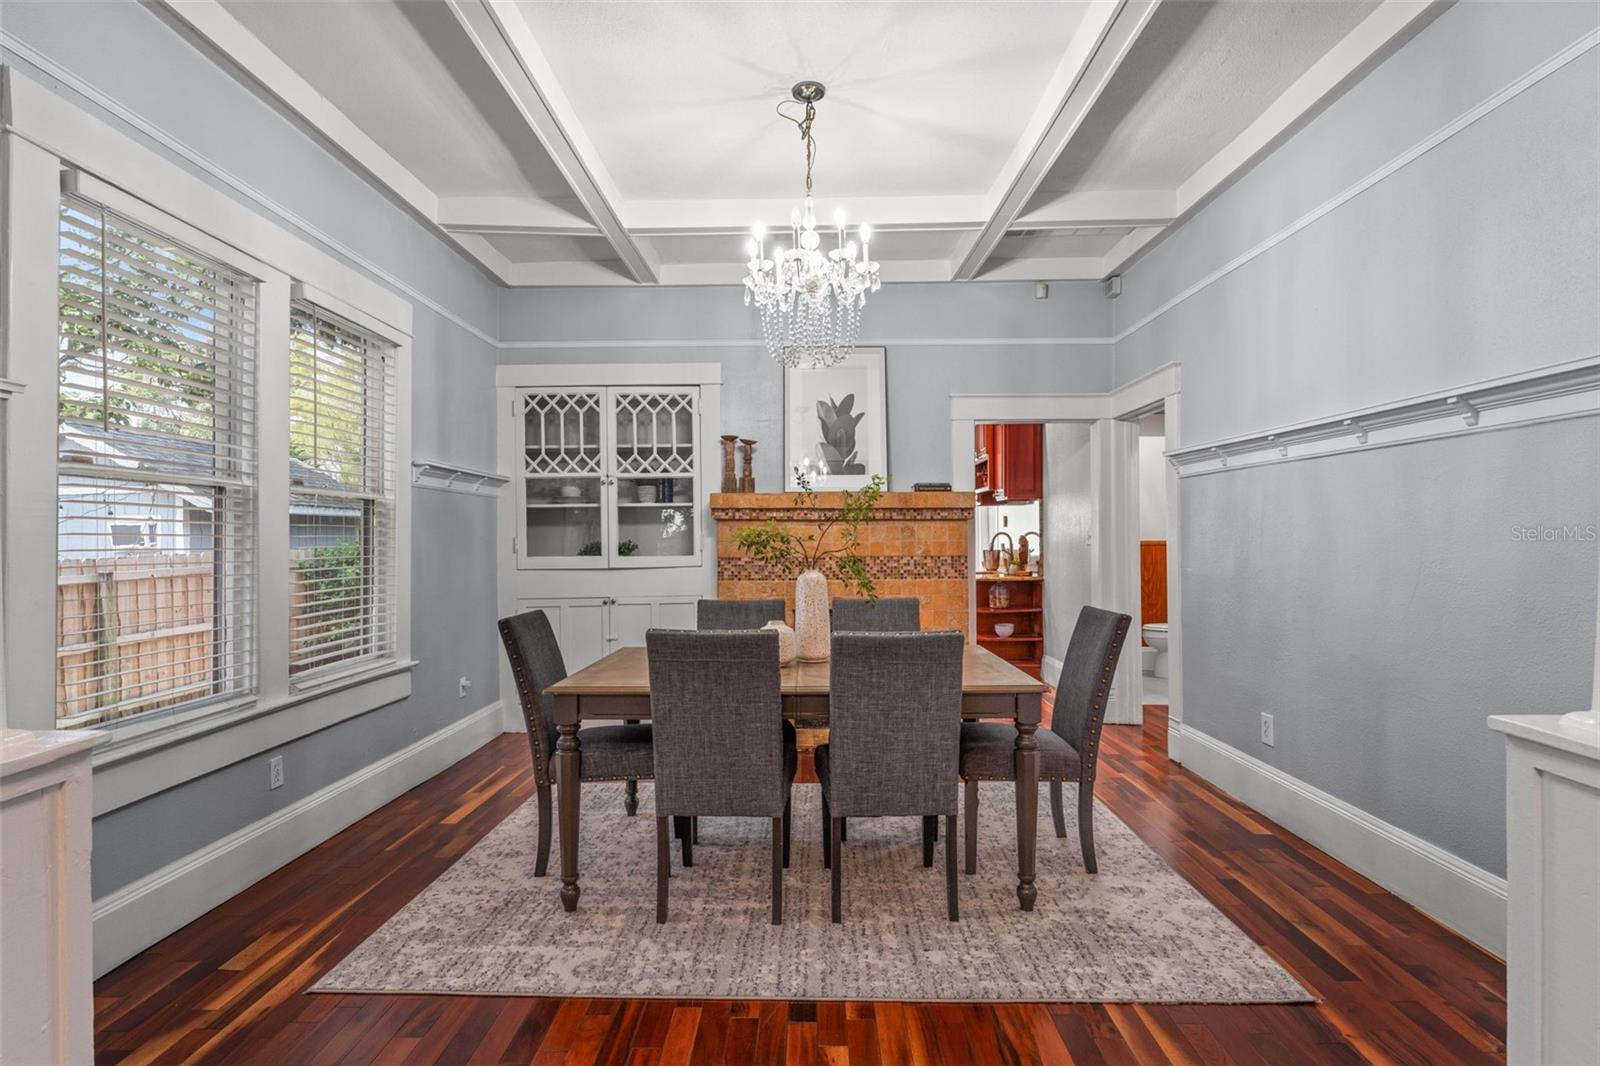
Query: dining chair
x,y
609,752
1069,750
887,614
737,614
722,747
894,733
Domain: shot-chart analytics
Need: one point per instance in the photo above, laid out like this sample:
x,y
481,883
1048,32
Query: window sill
x,y
139,761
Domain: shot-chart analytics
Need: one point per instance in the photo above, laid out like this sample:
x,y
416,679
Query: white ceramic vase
x,y
811,616
786,642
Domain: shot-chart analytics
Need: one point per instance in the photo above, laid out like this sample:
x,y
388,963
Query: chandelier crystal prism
x,y
809,300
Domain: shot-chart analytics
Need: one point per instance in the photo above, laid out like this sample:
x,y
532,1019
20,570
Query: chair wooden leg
x,y
844,829
788,801
777,871
836,826
541,862
1086,823
971,796
694,829
827,834
929,822
663,868
1055,809
630,798
951,900
681,828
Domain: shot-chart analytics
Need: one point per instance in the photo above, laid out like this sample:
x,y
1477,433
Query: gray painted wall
x,y
1378,603
207,109
1068,516
940,339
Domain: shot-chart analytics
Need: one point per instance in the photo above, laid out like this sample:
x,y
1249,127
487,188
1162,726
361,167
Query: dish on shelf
x,y
1004,629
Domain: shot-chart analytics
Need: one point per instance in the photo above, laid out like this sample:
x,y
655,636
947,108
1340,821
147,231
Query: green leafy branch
x,y
770,542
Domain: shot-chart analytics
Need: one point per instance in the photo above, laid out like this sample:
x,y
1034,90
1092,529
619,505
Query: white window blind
x,y
342,424
155,598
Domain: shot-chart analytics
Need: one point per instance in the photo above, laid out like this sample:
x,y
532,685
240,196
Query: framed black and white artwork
x,y
836,422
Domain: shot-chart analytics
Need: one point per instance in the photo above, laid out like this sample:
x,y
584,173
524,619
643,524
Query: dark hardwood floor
x,y
1394,986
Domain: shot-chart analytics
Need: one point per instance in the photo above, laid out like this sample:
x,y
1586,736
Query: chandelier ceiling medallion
x,y
809,300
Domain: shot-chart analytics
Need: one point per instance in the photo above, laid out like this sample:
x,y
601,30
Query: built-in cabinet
x,y
610,477
605,524
590,627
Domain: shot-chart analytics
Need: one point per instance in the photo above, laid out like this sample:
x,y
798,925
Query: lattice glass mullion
x,y
655,436
561,434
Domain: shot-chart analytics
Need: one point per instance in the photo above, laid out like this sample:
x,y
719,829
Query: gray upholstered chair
x,y
609,752
894,725
721,745
737,614
1069,750
888,614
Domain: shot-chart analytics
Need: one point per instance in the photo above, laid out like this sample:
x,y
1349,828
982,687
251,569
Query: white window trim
x,y
44,134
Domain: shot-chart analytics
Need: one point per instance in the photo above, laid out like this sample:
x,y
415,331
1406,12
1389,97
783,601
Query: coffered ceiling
x,y
582,143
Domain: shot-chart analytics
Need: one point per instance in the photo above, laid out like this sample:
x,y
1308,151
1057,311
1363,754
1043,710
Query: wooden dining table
x,y
617,688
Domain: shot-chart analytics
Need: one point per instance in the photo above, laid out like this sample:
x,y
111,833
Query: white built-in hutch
x,y
605,523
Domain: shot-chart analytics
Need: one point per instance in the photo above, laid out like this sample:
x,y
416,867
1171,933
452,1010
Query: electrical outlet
x,y
275,772
461,690
1266,730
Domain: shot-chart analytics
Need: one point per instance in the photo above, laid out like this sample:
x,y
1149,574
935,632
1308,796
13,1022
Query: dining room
x,y
889,532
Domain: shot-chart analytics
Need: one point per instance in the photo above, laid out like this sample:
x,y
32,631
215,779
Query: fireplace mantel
x,y
916,544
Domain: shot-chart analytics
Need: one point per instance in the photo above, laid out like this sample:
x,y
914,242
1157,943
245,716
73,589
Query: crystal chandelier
x,y
809,300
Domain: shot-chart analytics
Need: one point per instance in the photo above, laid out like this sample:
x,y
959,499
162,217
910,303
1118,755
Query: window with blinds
x,y
155,594
342,424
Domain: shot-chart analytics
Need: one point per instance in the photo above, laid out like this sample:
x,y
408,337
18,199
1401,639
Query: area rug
x,y
1134,932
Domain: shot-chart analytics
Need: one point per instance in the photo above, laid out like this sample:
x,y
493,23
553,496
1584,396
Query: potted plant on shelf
x,y
807,552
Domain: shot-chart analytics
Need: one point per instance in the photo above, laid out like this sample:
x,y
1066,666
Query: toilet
x,y
1155,635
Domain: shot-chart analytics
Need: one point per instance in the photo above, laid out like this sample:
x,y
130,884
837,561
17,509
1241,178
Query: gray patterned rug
x,y
1135,931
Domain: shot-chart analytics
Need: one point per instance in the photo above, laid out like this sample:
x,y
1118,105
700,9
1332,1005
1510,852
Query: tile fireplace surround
x,y
916,544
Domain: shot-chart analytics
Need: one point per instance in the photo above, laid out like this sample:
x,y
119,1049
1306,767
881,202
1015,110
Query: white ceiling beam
x,y
737,216
504,39
1061,268
210,25
1112,207
1109,30
1388,27
513,214
1127,248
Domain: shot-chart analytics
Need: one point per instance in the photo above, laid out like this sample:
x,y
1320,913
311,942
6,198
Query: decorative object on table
x,y
647,492
627,547
1004,629
747,479
1005,555
930,486
809,300
836,418
591,548
991,560
806,552
730,479
999,595
787,642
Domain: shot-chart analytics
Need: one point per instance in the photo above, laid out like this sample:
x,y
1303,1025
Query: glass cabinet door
x,y
563,499
655,456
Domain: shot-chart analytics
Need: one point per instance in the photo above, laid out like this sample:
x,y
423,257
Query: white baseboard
x,y
137,915
1470,900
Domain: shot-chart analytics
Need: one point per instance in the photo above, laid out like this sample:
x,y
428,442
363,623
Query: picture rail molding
x,y
1569,389
446,477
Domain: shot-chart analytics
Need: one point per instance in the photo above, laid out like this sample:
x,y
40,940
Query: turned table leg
x,y
1027,800
568,760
